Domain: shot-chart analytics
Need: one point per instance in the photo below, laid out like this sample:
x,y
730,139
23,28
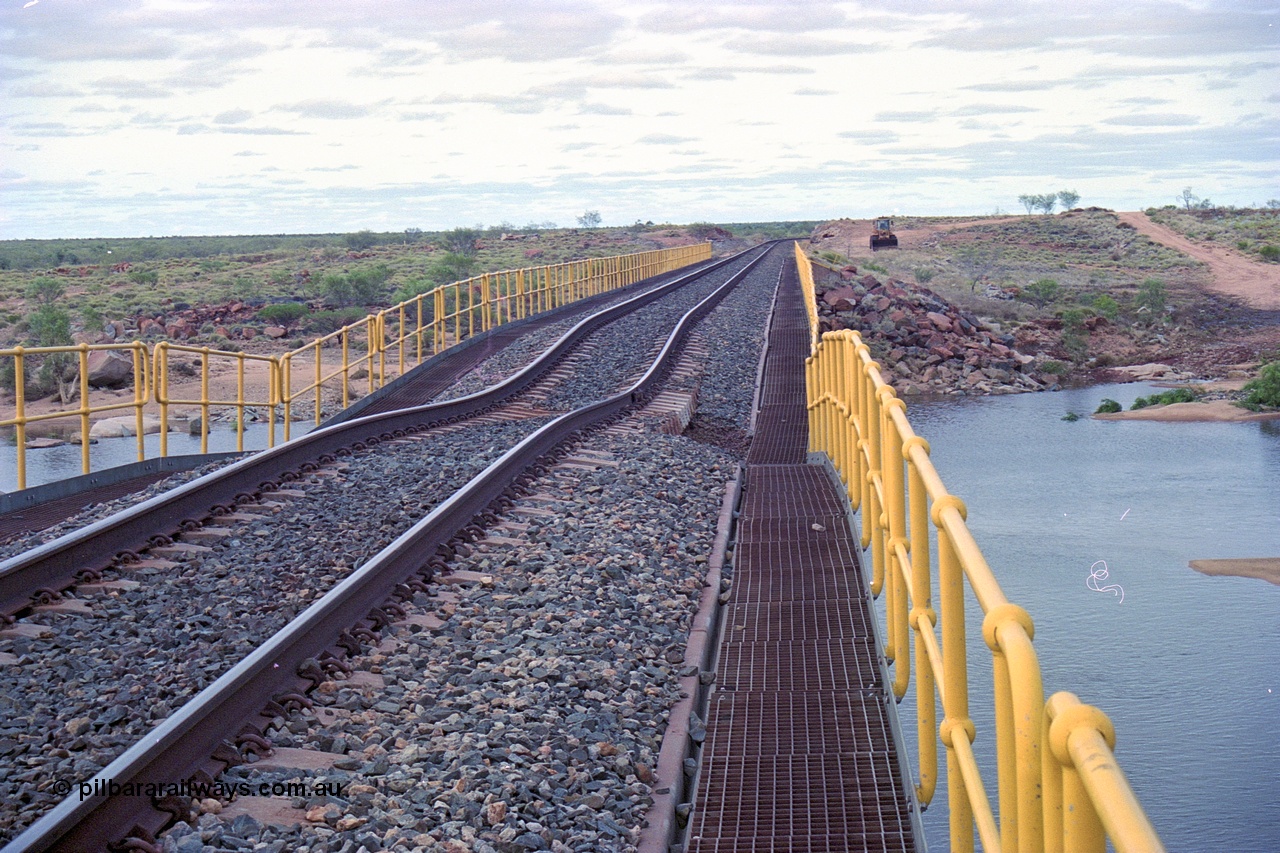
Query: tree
x,y
362,287
979,262
1047,202
462,241
45,291
1027,201
413,287
1041,292
1189,199
50,326
451,266
1151,298
590,219
358,241
1069,199
412,235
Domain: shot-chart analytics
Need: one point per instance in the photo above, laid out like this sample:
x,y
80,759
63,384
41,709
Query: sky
x,y
164,117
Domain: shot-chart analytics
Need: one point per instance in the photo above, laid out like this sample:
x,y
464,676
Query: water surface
x,y
1187,666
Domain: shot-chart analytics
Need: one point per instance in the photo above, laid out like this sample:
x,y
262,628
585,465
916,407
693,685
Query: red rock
x,y
249,333
274,332
838,294
940,321
222,330
150,327
942,352
884,303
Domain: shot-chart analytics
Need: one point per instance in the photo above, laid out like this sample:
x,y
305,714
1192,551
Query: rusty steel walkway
x,y
800,753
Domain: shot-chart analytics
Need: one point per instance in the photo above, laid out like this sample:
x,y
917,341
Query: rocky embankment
x,y
927,345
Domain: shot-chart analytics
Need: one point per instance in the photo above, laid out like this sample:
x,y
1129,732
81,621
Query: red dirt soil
x,y
1255,283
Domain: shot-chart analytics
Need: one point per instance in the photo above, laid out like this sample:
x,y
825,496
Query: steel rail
x,y
180,745
62,562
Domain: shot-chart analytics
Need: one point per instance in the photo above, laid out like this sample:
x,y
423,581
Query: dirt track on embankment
x,y
1257,284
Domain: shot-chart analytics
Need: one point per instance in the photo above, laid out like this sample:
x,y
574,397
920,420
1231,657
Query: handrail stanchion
x,y
82,358
20,412
140,393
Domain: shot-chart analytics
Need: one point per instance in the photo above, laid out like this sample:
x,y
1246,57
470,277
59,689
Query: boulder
x,y
124,426
274,332
840,298
110,368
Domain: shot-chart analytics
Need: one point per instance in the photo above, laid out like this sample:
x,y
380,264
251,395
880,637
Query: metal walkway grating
x,y
799,753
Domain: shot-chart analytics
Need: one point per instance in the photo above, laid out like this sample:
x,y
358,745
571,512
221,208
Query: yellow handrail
x,y
413,331
430,322
20,419
1059,785
205,401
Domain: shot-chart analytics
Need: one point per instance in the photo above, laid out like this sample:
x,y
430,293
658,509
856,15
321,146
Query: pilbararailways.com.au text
x,y
200,790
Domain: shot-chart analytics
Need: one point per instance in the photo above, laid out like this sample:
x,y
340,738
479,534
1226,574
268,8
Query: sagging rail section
x,y
184,742
372,351
1060,787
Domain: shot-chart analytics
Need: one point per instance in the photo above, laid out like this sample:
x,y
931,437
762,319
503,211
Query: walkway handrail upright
x,y
1059,785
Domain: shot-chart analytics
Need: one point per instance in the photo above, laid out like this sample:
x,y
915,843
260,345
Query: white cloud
x,y
441,112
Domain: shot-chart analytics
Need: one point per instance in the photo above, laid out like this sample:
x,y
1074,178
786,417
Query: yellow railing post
x,y
204,400
20,412
160,370
82,357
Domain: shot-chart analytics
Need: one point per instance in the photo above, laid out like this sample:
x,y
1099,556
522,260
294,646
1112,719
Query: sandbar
x,y
1214,410
1262,568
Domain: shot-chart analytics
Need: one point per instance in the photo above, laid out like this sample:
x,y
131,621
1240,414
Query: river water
x,y
1187,666
49,464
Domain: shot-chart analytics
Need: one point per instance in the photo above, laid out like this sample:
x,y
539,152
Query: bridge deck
x,y
799,753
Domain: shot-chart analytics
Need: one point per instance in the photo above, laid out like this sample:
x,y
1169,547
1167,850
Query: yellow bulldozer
x,y
882,236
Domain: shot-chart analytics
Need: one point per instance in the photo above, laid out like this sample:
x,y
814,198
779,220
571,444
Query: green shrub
x,y
924,275
324,322
1055,368
1107,407
411,288
1151,298
1177,395
284,313
1106,306
872,265
1071,417
1270,252
1041,292
1263,392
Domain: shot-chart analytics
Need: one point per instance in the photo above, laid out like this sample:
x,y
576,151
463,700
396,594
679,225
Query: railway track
x,y
328,481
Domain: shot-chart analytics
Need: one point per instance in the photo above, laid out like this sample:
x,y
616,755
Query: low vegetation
x,y
1177,395
1253,231
324,278
1263,393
